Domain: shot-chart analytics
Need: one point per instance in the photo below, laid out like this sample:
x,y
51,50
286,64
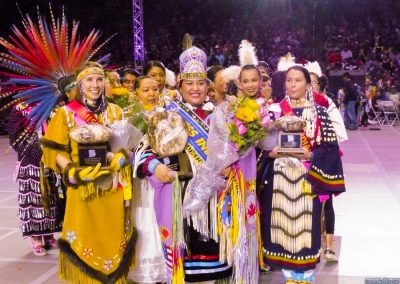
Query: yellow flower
x,y
246,114
252,104
121,91
148,106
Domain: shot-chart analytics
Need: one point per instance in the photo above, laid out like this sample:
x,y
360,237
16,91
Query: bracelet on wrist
x,y
152,165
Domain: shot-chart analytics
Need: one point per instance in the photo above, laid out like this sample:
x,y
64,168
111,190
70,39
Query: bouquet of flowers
x,y
233,129
120,97
135,113
128,132
248,123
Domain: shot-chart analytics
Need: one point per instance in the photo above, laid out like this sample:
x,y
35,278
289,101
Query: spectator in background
x,y
128,78
324,86
266,89
219,55
218,84
369,93
350,100
346,53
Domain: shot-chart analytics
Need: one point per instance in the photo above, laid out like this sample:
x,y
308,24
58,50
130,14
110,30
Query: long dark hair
x,y
212,72
138,81
303,70
153,63
278,85
250,67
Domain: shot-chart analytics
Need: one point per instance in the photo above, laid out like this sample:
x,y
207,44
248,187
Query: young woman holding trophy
x,y
97,240
303,176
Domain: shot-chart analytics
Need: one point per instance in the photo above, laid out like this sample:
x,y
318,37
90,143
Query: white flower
x,y
71,236
208,106
108,264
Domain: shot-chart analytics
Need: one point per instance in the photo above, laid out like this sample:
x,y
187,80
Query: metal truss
x,y
138,34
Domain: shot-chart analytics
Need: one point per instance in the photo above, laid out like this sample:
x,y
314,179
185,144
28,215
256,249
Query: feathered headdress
x,y
231,73
170,77
285,62
37,57
187,42
192,61
314,67
247,54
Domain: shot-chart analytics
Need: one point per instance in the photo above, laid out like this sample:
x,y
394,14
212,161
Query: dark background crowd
x,y
340,34
337,33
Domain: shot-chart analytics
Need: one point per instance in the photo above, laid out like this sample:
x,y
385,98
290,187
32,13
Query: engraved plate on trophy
x,y
290,142
289,139
171,162
92,142
92,154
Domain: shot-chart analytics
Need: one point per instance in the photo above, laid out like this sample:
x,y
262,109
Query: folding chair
x,y
377,112
390,112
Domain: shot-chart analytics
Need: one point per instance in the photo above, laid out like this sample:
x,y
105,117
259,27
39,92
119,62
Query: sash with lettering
x,y
198,131
165,199
82,114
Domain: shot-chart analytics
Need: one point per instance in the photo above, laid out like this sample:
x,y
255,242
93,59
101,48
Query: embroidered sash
x,y
83,115
198,131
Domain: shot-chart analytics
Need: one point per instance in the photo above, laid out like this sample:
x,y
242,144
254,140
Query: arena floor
x,y
367,227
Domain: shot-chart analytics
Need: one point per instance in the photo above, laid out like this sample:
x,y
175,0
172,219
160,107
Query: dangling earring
x,y
309,93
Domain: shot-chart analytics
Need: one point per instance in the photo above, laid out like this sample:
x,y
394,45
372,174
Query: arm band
x,y
152,165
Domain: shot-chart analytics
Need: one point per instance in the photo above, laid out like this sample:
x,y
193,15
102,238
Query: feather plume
x,y
247,54
187,41
314,67
170,78
285,62
38,55
231,73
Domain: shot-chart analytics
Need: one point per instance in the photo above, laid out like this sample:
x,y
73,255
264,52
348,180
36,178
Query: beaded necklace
x,y
309,115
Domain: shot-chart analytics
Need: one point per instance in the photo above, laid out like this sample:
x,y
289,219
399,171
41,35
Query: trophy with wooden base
x,y
167,135
92,142
289,138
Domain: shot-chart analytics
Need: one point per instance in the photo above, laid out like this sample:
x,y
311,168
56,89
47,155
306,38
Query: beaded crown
x,y
193,62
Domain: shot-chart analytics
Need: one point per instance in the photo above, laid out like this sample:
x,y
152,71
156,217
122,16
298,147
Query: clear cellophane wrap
x,y
221,154
124,136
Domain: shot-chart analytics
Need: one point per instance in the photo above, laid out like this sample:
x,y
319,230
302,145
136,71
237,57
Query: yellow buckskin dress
x,y
98,240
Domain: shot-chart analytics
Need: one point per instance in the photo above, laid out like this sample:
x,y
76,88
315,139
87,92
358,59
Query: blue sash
x,y
197,130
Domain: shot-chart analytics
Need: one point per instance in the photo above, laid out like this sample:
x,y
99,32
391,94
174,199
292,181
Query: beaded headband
x,y
194,75
88,71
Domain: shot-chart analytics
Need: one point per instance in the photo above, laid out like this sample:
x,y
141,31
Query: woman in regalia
x,y
157,71
97,242
149,264
297,184
41,78
199,262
